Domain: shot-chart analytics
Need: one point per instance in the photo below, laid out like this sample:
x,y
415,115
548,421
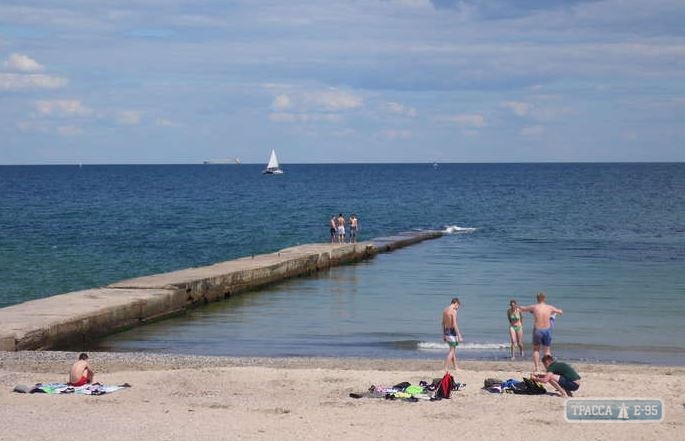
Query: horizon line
x,y
81,164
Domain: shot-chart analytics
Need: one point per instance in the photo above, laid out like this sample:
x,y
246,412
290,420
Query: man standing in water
x,y
542,328
450,332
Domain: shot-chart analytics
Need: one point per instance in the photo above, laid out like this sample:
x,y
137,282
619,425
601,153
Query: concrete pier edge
x,y
77,318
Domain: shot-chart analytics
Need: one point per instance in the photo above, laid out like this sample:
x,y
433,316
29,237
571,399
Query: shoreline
x,y
52,361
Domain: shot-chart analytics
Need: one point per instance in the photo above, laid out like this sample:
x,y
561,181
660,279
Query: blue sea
x,y
606,242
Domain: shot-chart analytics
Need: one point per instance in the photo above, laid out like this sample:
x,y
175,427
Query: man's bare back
x,y
79,370
449,318
542,313
542,327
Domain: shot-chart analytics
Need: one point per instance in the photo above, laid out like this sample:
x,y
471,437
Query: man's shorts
x,y
568,385
542,337
83,381
451,337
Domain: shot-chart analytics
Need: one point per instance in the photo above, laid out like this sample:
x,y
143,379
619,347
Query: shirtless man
x,y
81,373
450,332
341,228
334,229
542,327
354,224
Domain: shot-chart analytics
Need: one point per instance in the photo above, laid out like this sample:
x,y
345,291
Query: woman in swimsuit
x,y
515,327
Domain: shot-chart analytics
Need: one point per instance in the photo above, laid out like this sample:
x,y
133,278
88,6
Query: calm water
x,y
605,241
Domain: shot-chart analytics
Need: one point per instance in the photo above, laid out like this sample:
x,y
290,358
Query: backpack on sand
x,y
445,387
529,387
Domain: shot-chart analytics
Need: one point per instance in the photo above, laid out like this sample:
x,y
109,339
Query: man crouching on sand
x,y
560,375
81,373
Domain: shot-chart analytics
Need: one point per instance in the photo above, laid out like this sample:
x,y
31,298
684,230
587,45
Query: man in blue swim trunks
x,y
542,328
450,332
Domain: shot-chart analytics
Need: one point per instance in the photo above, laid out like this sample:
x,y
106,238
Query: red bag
x,y
445,386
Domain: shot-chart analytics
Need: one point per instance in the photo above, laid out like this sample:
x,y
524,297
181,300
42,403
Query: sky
x,y
183,81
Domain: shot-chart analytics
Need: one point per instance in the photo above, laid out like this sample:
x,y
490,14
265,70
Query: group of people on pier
x,y
337,228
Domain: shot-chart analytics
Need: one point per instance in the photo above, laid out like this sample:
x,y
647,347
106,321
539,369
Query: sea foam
x,y
441,346
454,229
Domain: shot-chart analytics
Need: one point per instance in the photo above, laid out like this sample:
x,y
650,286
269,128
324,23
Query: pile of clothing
x,y
406,391
527,386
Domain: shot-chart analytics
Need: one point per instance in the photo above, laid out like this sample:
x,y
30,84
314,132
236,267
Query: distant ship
x,y
223,161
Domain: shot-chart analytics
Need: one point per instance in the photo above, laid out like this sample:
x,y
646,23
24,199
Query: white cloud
x,y
334,100
32,126
69,131
62,108
304,117
399,109
12,81
129,117
532,130
163,122
467,120
313,106
518,107
281,102
629,136
397,134
344,133
22,63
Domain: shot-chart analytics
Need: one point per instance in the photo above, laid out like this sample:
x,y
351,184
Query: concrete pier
x,y
79,317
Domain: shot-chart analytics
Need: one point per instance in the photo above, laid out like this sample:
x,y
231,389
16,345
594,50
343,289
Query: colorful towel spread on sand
x,y
406,391
63,388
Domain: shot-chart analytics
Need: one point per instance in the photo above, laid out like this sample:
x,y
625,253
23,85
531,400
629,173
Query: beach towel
x,y
406,391
63,388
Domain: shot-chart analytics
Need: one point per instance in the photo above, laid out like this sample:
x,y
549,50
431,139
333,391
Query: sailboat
x,y
272,168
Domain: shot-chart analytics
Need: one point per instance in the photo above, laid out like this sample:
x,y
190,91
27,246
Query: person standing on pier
x,y
354,225
334,229
450,332
341,228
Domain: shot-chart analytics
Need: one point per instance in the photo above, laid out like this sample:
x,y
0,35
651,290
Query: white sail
x,y
273,161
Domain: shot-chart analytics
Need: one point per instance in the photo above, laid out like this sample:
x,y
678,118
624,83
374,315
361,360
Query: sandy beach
x,y
181,398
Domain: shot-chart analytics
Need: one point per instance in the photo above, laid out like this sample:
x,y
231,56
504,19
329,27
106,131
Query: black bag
x,y
489,382
402,386
529,387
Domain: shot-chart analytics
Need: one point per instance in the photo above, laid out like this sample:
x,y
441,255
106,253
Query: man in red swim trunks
x,y
81,373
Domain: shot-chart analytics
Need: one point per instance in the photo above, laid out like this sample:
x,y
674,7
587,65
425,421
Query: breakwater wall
x,y
77,318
